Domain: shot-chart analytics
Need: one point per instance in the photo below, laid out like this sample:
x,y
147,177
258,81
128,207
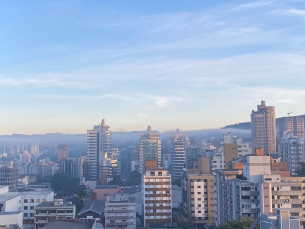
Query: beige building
x,y
263,128
120,211
157,195
149,148
292,124
62,152
198,197
53,210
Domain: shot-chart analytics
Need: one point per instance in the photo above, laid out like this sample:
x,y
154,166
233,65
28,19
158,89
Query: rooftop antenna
x,y
290,113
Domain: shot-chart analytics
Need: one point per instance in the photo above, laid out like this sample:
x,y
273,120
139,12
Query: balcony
x,y
158,214
118,211
157,195
157,189
41,221
157,183
157,207
119,217
156,201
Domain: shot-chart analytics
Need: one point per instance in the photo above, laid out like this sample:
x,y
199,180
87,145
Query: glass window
x,y
25,201
37,200
31,200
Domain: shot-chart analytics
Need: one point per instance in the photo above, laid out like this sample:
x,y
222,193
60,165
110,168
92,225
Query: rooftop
x,y
10,213
96,206
51,204
107,187
69,225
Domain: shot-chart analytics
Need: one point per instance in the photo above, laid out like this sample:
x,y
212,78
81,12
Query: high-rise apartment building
x,y
292,151
25,157
255,189
149,148
98,147
9,175
292,124
263,128
198,197
62,152
93,151
157,195
177,155
120,211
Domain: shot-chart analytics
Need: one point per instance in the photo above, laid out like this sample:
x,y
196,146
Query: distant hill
x,y
241,126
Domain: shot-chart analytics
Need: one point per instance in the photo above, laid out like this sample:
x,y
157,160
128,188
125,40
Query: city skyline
x,y
66,65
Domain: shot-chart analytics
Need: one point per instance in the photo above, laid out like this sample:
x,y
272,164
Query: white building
x,y
8,219
23,201
178,159
157,195
25,157
256,189
149,148
292,151
93,151
120,211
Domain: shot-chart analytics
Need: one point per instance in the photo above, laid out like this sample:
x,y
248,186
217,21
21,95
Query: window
x,y
31,214
294,197
198,192
31,200
295,188
198,187
159,173
199,205
112,221
69,211
25,201
294,214
199,199
44,200
296,205
37,200
199,211
25,214
25,208
32,208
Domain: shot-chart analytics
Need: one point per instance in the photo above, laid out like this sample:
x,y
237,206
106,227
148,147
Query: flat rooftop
x,y
68,225
51,204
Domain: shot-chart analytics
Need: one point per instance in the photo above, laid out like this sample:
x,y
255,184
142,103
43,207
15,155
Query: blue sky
x,y
189,64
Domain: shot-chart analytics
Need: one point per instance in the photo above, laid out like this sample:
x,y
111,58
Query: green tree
x,y
242,223
117,180
63,183
134,178
301,169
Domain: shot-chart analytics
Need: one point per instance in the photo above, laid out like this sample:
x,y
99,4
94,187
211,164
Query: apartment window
x,y
44,200
31,200
25,214
37,200
296,205
198,192
31,207
154,210
294,197
159,173
199,205
25,201
167,192
198,186
25,208
69,211
112,221
199,211
31,214
294,214
199,199
152,173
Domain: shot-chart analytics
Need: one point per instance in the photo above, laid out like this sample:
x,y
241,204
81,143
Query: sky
x,y
65,65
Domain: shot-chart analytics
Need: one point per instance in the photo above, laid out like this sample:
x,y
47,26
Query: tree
x,y
117,180
301,169
242,223
134,178
80,198
62,182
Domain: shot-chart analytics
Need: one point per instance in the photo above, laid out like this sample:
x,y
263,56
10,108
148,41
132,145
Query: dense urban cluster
x,y
230,182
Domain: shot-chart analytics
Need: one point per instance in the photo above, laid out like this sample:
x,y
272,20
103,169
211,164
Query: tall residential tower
x,y
149,148
263,128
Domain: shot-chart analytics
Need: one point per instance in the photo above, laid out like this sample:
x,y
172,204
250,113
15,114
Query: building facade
x,y
157,195
149,148
120,211
292,124
292,151
263,128
62,152
178,159
9,175
53,210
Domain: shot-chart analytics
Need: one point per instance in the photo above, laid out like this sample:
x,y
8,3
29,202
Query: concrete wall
x,y
9,219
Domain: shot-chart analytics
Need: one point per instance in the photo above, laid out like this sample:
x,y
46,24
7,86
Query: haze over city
x,y
67,64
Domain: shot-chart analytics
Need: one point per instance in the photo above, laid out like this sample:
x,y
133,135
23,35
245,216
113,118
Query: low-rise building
x,y
120,211
102,191
53,210
92,210
8,219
